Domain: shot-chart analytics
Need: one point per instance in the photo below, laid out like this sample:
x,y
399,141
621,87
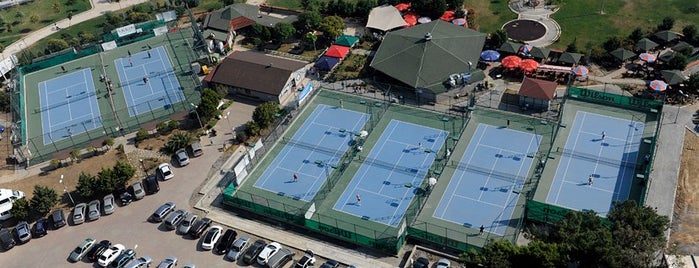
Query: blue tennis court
x,y
148,80
311,153
489,177
68,106
385,181
610,161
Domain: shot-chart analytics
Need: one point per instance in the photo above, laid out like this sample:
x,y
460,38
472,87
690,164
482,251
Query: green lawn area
x,y
19,18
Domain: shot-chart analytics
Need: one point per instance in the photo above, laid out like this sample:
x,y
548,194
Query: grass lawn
x,y
19,18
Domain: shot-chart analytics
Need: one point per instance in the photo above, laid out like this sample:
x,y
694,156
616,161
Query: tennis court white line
x,y
590,186
300,173
575,144
600,135
165,69
377,193
518,153
88,90
481,201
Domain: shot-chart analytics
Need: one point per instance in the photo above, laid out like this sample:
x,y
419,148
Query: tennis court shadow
x,y
496,189
289,181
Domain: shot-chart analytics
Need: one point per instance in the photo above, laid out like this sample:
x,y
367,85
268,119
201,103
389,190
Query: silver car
x,y
187,223
169,262
182,157
138,192
23,232
141,262
79,213
108,204
175,218
237,248
93,210
81,250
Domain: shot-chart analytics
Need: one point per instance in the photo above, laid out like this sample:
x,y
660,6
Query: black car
x,y
97,250
224,244
199,227
124,196
40,227
421,262
330,264
58,219
6,239
151,184
251,253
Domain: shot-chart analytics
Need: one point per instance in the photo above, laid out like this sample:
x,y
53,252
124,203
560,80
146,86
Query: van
x,y
281,258
225,242
195,149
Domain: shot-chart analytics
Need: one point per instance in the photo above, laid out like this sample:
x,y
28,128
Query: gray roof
x,y
407,56
572,58
220,19
255,71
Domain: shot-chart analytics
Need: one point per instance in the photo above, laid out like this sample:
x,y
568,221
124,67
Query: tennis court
x,y
312,152
609,160
488,179
390,175
148,81
68,106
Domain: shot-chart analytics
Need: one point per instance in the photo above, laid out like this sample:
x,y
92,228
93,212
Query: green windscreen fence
x,y
545,213
626,102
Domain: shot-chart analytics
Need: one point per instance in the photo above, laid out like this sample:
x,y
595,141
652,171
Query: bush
x,y
108,142
141,135
44,199
75,154
20,209
173,124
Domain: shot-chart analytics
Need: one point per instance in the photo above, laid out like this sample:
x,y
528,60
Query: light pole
x,y
228,113
197,113
65,190
143,166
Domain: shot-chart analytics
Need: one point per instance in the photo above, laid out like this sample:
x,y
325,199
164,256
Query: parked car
x,y
224,244
186,223
110,254
40,227
168,262
421,262
281,258
124,258
330,264
108,204
199,227
23,232
254,250
189,265
141,262
58,219
443,263
137,189
151,184
162,212
182,157
125,197
211,237
97,250
79,213
81,250
237,249
6,239
195,149
308,259
165,171
93,210
267,252
175,218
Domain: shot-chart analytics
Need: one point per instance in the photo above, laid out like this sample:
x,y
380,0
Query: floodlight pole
x,y
65,190
197,113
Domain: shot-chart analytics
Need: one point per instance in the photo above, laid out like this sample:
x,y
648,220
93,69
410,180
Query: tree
x,y
262,32
666,24
308,5
86,37
123,171
309,20
87,184
497,38
283,31
363,7
208,107
20,209
19,16
332,26
455,4
693,83
252,129
5,101
265,113
34,18
572,48
57,45
44,199
70,15
678,62
498,254
690,33
638,234
312,38
540,254
178,140
611,44
430,8
56,7
636,35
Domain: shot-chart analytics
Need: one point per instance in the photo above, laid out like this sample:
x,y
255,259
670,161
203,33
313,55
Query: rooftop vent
x,y
428,36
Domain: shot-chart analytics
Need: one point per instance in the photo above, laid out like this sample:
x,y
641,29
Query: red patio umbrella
x,y
511,62
529,65
403,6
447,16
410,18
336,51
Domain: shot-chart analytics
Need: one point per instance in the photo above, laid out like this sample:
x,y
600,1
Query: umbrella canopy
x,y
647,57
423,20
529,65
385,18
490,55
509,47
540,52
447,16
622,54
646,44
526,49
410,18
658,85
346,40
673,77
581,71
511,62
336,51
459,21
326,63
2,129
666,36
403,6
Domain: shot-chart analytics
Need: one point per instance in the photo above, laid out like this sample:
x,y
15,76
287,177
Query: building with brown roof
x,y
260,76
536,94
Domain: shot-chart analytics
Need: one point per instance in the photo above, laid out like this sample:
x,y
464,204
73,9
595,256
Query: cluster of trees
x,y
630,236
43,199
264,115
331,26
106,181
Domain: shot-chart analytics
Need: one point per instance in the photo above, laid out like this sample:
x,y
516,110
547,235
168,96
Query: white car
x,y
211,237
110,254
267,252
443,263
182,157
165,171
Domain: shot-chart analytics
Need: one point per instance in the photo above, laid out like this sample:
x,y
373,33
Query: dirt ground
x,y
685,225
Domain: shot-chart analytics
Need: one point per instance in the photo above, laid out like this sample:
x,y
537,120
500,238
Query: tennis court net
x,y
313,147
598,159
393,167
503,176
